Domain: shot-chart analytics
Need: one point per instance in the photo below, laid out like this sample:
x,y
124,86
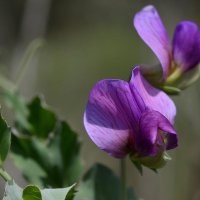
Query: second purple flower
x,y
177,58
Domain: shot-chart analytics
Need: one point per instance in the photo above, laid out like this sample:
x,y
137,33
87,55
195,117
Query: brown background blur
x,y
89,40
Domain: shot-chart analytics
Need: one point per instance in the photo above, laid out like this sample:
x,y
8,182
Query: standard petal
x,y
153,98
186,45
150,28
156,134
112,116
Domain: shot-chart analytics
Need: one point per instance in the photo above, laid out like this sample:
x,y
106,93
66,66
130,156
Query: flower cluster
x,y
134,118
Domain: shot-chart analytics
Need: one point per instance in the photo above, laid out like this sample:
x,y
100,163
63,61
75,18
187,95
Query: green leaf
x,y
31,170
59,194
69,144
71,193
51,149
17,103
5,139
14,101
12,192
101,183
31,192
34,193
41,118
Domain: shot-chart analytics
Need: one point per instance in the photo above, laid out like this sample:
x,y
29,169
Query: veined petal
x,y
156,134
153,98
112,116
186,45
150,28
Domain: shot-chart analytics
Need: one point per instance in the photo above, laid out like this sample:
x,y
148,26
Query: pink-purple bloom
x,y
180,56
130,118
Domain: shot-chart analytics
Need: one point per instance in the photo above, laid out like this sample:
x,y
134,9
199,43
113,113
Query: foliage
x,y
50,148
5,137
14,192
101,183
47,152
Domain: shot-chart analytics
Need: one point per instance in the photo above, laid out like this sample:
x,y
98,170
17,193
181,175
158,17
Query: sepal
x,y
151,162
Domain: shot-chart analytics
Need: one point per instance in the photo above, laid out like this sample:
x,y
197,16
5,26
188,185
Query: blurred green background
x,y
91,40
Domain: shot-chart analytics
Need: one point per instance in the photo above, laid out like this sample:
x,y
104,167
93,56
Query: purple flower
x,y
182,55
130,118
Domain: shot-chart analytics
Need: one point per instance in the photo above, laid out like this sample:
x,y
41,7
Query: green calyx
x,y
180,79
152,162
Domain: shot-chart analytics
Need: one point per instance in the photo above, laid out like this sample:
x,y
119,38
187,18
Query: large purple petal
x,y
112,116
150,28
153,98
156,134
186,45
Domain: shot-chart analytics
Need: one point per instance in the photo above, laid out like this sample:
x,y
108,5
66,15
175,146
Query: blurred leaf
x,y
131,195
41,118
17,103
34,193
69,147
12,192
101,183
31,170
50,151
14,101
5,138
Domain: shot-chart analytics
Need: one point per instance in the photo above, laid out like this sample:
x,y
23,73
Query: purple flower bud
x,y
177,58
186,45
130,118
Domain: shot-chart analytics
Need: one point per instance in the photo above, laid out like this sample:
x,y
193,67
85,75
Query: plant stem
x,y
174,76
6,84
123,179
25,62
5,175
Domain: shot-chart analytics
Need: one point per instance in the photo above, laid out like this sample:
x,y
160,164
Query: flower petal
x,y
112,116
153,98
150,28
186,45
156,134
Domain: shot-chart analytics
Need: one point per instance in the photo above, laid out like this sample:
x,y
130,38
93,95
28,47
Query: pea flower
x,y
176,59
131,118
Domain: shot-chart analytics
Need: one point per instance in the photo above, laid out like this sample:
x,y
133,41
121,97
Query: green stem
x,y
123,179
174,76
5,175
6,84
25,62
